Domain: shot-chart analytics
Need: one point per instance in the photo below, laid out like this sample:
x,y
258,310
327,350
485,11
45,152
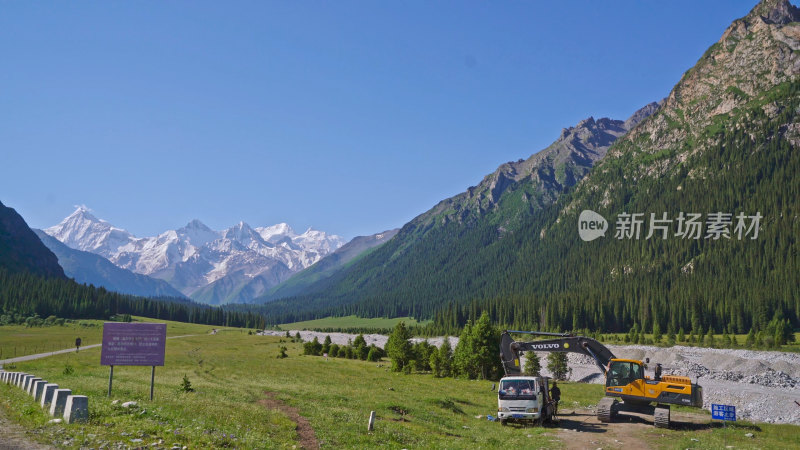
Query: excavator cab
x,y
625,377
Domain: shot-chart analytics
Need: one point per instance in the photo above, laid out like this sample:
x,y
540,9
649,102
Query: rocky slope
x,y
543,176
756,54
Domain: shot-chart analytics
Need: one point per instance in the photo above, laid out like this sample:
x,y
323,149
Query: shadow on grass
x,y
691,426
577,421
585,422
449,404
465,402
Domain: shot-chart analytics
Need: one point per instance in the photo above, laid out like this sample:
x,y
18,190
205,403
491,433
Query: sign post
x,y
133,344
723,412
726,413
110,377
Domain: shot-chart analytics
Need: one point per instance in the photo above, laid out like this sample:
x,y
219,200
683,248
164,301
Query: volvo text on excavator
x,y
627,388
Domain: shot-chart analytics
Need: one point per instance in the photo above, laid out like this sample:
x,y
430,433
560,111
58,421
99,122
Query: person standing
x,y
555,394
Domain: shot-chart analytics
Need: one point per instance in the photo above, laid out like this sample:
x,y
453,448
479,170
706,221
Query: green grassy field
x,y
19,340
232,372
350,322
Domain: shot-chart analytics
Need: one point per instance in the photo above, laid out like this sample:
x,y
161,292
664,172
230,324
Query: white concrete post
x,y
59,401
37,390
31,382
47,395
76,409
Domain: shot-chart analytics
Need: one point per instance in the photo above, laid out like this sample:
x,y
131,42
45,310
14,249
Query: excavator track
x,y
661,416
607,409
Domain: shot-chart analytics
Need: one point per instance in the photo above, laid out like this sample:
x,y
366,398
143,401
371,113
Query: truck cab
x,y
524,398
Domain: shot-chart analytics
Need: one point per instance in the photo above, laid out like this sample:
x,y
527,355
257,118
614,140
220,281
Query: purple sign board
x,y
133,344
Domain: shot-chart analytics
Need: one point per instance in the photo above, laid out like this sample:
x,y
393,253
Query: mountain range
x,y
212,267
724,141
721,145
89,268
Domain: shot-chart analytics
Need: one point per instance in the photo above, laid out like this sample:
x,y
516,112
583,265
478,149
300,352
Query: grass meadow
x,y
232,372
351,322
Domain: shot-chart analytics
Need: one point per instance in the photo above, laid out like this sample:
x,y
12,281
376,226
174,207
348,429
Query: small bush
x,y
186,385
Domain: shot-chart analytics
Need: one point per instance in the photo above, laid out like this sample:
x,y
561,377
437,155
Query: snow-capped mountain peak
x,y
245,235
197,233
276,232
319,240
236,264
84,231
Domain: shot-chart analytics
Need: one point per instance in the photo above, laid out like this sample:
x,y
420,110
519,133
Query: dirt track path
x,y
12,436
580,429
308,439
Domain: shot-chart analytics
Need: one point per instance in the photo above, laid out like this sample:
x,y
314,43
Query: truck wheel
x,y
503,422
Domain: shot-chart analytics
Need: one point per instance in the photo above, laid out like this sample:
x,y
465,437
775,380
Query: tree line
x,y
24,296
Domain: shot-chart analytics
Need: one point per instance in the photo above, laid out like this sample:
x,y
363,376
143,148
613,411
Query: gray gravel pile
x,y
763,385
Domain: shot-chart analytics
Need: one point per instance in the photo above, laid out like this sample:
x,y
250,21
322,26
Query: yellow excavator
x,y
627,388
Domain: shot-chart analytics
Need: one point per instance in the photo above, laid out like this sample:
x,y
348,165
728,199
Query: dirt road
x,y
580,429
12,436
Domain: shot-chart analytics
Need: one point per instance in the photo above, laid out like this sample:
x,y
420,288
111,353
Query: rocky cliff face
x,y
754,55
544,175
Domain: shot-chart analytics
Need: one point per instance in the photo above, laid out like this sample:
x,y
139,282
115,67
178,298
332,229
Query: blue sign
x,y
723,412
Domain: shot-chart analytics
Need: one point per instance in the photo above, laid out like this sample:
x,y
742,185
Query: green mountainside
x,y
516,190
438,241
20,249
724,141
89,268
344,256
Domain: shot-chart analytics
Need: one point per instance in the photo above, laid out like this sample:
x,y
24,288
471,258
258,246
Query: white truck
x,y
524,399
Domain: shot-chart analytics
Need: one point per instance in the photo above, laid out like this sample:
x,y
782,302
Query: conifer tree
x,y
398,347
533,364
557,365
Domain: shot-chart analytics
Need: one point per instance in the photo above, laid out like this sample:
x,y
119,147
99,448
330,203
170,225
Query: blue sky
x,y
351,117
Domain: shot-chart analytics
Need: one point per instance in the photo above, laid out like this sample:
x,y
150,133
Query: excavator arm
x,y
510,349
